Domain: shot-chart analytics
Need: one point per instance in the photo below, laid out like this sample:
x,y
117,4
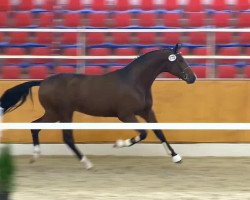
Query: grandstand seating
x,y
46,19
3,19
121,14
38,72
226,71
11,72
196,19
121,38
64,69
93,70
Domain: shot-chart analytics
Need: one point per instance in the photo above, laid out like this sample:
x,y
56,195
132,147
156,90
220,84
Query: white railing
x,y
126,126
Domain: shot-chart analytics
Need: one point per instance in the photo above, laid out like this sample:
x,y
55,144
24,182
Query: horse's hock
x,y
174,101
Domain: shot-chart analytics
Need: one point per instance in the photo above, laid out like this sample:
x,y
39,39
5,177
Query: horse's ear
x,y
176,48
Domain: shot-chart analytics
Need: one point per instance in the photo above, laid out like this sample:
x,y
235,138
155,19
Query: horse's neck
x,y
144,74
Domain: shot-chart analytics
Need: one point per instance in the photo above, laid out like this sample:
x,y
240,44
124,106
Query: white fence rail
x,y
126,126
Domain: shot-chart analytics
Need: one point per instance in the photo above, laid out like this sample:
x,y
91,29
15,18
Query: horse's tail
x,y
17,95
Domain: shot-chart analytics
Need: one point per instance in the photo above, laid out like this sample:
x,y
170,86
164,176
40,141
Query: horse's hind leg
x,y
68,138
129,142
149,116
35,134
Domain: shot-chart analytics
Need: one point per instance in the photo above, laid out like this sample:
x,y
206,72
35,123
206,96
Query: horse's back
x,y
94,95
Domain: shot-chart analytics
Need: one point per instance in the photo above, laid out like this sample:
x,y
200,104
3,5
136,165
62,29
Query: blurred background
x,y
198,15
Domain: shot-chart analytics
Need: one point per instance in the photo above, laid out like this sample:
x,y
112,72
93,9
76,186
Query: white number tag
x,y
172,57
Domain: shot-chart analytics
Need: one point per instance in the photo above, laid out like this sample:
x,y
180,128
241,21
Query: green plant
x,y
7,169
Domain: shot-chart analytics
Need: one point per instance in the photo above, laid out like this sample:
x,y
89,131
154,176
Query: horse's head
x,y
178,66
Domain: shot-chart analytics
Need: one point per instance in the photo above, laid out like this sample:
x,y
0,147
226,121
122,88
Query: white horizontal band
x,y
126,126
116,57
133,30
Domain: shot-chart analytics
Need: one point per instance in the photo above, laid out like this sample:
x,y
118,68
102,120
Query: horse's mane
x,y
143,57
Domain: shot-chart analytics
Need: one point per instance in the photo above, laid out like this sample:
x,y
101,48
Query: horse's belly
x,y
97,110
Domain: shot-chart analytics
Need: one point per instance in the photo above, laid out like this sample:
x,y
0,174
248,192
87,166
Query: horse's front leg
x,y
150,117
129,142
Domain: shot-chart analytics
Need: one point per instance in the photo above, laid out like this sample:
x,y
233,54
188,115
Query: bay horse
x,y
125,94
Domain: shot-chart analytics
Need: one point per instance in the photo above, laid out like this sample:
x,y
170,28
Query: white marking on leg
x,y
123,143
86,162
177,158
36,153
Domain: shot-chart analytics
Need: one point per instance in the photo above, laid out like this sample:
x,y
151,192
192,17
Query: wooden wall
x,y
174,101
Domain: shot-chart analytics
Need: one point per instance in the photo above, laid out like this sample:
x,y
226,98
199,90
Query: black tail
x,y
16,96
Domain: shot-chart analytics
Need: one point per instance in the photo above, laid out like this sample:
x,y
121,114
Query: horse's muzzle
x,y
190,79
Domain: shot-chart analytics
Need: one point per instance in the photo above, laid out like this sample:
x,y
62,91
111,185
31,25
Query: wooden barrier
x,y
174,101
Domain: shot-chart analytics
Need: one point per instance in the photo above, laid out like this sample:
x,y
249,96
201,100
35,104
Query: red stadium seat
x,y
46,19
243,20
64,69
18,37
3,19
26,5
70,52
247,71
226,72
95,38
100,5
194,6
219,5
221,19
172,20
99,52
244,38
72,19
147,5
197,38
228,51
202,51
121,19
241,5
147,19
128,51
11,72
93,70
74,5
146,38
223,38
200,71
98,19
48,5
14,51
22,19
44,38
38,72
123,5
69,38
171,38
5,5
171,5
121,38
41,51
196,19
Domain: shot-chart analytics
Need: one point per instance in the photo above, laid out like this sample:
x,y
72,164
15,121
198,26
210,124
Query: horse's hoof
x,y
177,158
87,163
